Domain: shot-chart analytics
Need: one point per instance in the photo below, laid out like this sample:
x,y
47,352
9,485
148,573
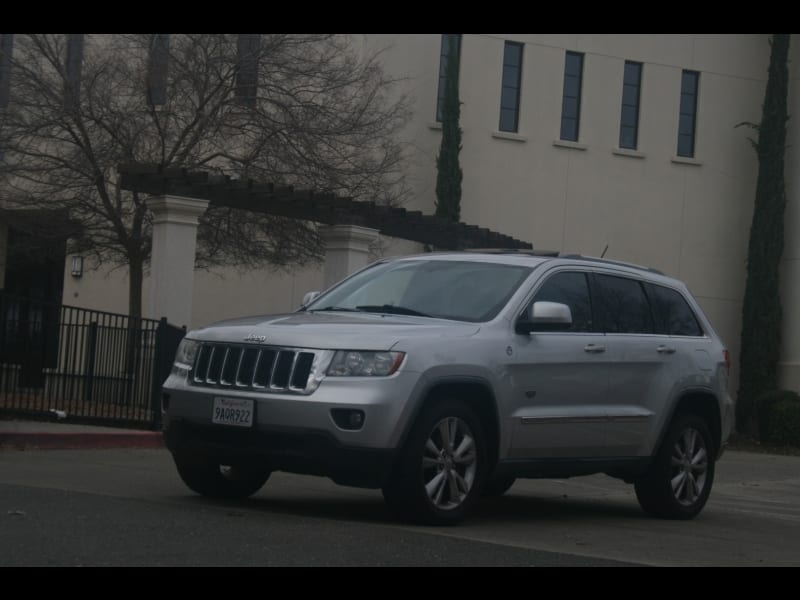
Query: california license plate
x,y
232,411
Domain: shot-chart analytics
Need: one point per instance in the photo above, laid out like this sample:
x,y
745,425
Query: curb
x,y
76,441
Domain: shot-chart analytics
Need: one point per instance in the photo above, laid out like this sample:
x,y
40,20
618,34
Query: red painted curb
x,y
72,441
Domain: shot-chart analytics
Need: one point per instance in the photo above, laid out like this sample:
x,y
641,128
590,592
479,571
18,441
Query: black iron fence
x,y
80,364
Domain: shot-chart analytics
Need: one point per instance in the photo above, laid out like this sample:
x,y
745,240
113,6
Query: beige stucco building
x,y
685,212
687,216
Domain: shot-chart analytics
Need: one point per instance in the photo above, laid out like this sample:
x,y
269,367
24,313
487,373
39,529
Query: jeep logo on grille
x,y
255,338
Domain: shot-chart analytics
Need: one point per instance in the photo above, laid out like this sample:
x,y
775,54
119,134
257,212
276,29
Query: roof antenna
x,y
604,251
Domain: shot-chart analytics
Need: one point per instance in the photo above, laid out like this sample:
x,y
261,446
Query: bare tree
x,y
313,111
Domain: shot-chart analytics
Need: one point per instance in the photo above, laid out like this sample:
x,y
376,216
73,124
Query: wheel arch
x,y
704,404
475,392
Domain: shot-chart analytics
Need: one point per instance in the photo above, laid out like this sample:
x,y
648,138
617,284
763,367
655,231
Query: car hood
x,y
332,330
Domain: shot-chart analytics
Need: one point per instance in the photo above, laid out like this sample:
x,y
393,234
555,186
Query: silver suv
x,y
443,377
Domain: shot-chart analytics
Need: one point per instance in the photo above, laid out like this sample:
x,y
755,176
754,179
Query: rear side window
x,y
672,315
621,305
571,289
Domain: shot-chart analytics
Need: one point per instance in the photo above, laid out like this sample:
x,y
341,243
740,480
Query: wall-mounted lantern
x,y
77,266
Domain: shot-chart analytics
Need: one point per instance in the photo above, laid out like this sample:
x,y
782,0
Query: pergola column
x,y
346,250
172,258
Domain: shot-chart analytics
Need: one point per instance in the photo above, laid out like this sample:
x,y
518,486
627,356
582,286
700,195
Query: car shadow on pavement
x,y
519,507
369,507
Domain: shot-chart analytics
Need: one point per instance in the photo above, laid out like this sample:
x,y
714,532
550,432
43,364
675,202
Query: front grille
x,y
248,368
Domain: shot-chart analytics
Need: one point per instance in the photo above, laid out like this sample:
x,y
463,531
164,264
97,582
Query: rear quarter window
x,y
672,315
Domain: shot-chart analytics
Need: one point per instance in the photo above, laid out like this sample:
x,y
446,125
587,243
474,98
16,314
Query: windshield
x,y
444,289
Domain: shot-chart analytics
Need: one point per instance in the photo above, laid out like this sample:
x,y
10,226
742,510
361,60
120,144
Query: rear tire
x,y
679,481
210,478
441,470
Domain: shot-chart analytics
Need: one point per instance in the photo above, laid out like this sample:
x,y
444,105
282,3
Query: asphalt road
x,y
128,507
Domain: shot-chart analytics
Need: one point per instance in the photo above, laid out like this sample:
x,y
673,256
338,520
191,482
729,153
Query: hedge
x,y
778,414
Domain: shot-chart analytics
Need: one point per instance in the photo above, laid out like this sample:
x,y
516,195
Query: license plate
x,y
232,411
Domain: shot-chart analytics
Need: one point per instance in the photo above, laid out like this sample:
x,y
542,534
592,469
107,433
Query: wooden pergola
x,y
308,205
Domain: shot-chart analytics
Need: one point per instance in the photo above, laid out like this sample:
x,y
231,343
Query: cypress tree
x,y
449,175
761,312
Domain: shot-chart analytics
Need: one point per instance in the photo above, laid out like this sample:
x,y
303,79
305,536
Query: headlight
x,y
187,352
354,363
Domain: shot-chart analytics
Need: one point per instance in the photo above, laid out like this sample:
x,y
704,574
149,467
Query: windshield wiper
x,y
391,309
335,308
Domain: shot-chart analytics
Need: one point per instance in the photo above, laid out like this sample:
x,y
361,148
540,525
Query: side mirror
x,y
545,316
309,298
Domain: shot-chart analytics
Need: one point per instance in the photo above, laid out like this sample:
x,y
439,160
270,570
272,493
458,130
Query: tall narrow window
x,y
72,83
449,40
249,47
571,104
509,93
631,93
6,45
157,67
688,113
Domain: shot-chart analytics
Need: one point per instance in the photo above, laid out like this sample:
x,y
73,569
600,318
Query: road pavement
x,y
128,507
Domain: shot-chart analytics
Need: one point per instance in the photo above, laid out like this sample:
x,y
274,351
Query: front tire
x,y
210,478
679,481
442,468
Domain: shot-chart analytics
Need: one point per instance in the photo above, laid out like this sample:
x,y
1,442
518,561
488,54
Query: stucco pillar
x,y
346,250
172,257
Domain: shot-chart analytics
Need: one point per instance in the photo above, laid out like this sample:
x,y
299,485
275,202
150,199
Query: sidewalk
x,y
62,436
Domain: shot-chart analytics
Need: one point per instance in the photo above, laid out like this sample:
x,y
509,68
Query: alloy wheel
x,y
689,466
449,463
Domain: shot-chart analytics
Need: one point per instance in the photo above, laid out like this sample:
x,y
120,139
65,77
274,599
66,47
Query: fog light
x,y
349,419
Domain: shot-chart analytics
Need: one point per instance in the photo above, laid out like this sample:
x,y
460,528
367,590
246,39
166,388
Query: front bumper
x,y
296,432
294,450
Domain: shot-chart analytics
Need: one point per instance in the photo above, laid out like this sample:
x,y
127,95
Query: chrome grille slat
x,y
282,370
299,377
246,371
263,373
246,367
291,371
212,375
230,368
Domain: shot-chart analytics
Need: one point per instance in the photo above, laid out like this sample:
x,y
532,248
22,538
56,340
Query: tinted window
x,y
157,69
621,305
6,44
629,122
688,113
248,50
571,289
512,80
571,103
72,84
671,313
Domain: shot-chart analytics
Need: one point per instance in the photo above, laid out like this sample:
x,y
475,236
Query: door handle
x,y
594,349
662,349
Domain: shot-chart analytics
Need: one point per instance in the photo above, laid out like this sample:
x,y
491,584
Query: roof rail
x,y
528,251
613,262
